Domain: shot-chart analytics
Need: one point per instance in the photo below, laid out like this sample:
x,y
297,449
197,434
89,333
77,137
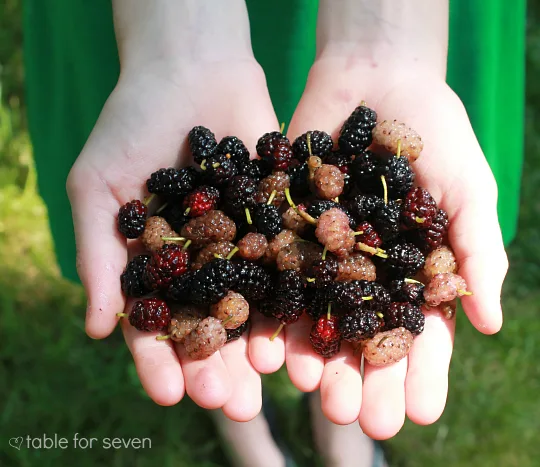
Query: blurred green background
x,y
54,379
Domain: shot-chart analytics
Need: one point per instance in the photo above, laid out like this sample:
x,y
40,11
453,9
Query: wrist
x,y
173,35
382,36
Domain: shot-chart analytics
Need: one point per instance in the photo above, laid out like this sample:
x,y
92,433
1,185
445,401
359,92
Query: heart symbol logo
x,y
16,442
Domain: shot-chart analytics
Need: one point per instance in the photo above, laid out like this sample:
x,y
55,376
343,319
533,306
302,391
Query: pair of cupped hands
x,y
143,127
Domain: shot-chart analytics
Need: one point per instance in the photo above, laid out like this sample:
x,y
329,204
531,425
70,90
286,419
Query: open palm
x,y
453,168
142,128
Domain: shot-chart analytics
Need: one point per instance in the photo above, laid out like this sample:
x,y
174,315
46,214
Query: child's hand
x,y
142,128
453,168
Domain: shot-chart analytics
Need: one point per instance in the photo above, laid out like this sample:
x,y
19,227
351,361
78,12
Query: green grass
x,y
53,379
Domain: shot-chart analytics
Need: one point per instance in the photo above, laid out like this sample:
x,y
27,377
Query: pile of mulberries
x,y
337,231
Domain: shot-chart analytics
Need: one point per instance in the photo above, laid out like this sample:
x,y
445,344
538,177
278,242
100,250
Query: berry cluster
x,y
338,232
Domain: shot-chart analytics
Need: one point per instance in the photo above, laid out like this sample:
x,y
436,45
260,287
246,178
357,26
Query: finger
x,y
476,238
304,366
101,251
207,381
426,385
341,387
267,356
157,365
246,397
470,197
383,400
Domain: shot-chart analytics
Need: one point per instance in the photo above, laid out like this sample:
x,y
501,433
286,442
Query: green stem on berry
x,y
381,254
203,164
282,127
329,311
311,279
368,249
420,220
289,198
323,257
215,165
367,298
232,253
413,281
462,292
226,320
304,215
122,315
382,340
336,199
278,330
360,232
174,239
271,197
186,212
385,188
363,103
149,199
186,245
218,256
398,152
308,140
248,216
163,338
379,314
162,207
314,163
303,240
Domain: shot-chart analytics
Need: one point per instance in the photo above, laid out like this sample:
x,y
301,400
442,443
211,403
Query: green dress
x,y
72,65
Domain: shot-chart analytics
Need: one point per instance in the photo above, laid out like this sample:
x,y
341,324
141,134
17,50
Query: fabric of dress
x,y
71,64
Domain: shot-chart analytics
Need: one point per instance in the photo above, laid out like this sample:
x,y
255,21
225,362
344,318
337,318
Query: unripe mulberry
x,y
280,241
156,228
387,134
253,246
206,339
438,261
232,310
294,221
334,232
298,256
212,227
185,320
444,287
329,182
388,347
277,182
209,252
356,267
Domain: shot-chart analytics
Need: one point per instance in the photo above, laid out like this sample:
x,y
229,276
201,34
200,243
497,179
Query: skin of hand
x,y
410,87
143,127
